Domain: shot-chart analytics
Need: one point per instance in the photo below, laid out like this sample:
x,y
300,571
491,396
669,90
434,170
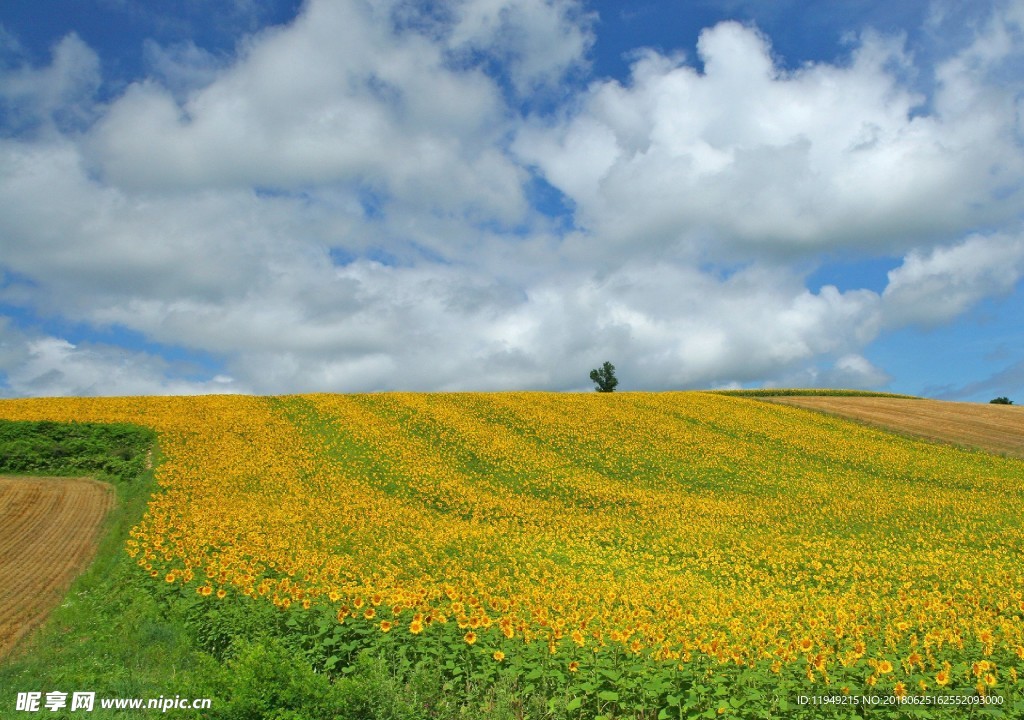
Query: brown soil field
x,y
995,428
49,528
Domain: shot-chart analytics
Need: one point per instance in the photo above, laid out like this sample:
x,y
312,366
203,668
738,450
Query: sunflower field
x,y
656,555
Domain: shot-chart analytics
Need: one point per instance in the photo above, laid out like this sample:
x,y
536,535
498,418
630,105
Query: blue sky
x,y
232,196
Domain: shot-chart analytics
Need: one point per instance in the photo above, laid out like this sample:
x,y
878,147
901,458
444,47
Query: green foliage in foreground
x,y
115,451
824,392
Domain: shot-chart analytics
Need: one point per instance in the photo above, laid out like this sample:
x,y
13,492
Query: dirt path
x,y
49,528
996,428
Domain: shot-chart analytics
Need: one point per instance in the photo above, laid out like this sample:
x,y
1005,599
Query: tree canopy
x,y
604,377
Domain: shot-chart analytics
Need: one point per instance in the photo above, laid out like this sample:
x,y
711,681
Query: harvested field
x,y
49,528
996,428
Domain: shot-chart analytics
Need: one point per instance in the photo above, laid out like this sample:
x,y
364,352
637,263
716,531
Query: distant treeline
x,y
52,448
784,392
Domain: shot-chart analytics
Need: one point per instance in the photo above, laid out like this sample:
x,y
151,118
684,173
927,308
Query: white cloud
x,y
202,209
182,68
99,246
338,97
746,158
61,94
43,365
538,41
936,286
847,371
855,371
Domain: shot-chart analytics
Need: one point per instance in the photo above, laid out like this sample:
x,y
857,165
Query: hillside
x,y
611,552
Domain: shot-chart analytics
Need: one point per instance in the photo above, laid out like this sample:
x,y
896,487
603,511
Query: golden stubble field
x,y
996,428
49,528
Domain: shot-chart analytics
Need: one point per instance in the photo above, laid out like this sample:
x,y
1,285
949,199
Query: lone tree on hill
x,y
605,377
1001,401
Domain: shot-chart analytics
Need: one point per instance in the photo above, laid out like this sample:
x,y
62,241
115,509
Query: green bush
x,y
265,681
117,451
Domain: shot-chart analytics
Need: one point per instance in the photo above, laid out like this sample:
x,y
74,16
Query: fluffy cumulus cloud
x,y
936,286
60,94
847,371
740,157
537,42
337,98
346,204
44,365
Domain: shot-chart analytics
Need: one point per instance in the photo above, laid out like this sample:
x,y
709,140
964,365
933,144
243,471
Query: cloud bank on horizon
x,y
399,195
